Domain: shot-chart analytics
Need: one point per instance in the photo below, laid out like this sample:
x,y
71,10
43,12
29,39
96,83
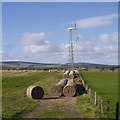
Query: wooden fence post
x,y
87,89
108,108
101,106
83,83
117,110
95,98
98,101
89,92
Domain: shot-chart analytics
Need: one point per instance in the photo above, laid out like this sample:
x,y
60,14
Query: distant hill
x,y
34,65
91,65
26,65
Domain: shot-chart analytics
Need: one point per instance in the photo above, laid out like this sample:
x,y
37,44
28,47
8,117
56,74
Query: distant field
x,y
106,85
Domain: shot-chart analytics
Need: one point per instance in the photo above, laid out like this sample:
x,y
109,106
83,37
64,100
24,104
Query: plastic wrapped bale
x,y
57,89
66,74
35,92
70,89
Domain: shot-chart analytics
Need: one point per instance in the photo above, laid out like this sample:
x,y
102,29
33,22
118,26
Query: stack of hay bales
x,y
35,92
66,87
70,89
70,74
57,89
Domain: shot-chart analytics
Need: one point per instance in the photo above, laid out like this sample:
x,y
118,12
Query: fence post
x,y
98,101
86,88
83,83
89,92
108,108
101,106
95,98
117,110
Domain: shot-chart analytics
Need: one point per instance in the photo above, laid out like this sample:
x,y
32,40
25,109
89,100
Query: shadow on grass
x,y
50,98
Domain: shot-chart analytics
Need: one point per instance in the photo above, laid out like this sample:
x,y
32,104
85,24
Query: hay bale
x,y
76,74
57,89
66,74
76,71
35,92
70,89
72,74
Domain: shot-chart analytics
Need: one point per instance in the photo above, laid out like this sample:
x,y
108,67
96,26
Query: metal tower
x,y
71,57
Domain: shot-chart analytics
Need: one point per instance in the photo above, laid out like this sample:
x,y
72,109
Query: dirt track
x,y
66,106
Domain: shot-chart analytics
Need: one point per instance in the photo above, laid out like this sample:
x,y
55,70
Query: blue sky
x,y
38,31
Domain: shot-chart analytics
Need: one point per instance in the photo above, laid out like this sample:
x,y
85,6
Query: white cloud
x,y
37,43
1,52
37,48
113,37
104,37
88,51
85,52
40,48
96,53
96,21
34,38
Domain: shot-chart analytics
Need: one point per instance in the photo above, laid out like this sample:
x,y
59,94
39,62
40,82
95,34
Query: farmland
x,y
14,99
106,85
16,105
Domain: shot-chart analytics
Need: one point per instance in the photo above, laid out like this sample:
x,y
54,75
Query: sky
x,y
38,31
60,0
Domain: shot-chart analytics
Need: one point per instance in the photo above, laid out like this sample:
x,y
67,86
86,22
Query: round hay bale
x,y
70,89
72,74
57,89
35,92
62,82
66,74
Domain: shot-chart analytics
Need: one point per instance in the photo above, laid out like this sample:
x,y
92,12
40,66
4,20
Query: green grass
x,y
106,85
14,100
15,104
87,109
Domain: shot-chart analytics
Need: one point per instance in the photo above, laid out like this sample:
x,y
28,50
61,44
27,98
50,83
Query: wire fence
x,y
107,107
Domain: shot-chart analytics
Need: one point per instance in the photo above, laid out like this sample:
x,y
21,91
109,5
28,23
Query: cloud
x,y
89,52
96,21
104,37
34,38
37,48
83,52
1,55
40,48
113,37
37,43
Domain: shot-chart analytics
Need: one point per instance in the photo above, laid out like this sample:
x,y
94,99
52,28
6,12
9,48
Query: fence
x,y
106,107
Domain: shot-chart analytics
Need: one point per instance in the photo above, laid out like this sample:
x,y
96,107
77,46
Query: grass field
x,y
14,100
106,85
16,104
